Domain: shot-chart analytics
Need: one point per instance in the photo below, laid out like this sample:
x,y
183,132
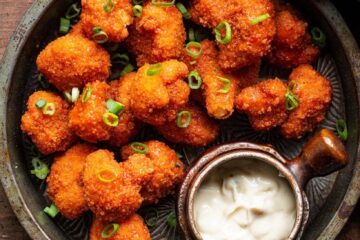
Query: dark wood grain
x,y
10,14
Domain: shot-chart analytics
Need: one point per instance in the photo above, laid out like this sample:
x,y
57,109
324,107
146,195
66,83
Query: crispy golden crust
x,y
128,126
201,131
314,92
156,99
264,103
65,186
86,119
49,133
249,42
109,201
158,35
73,61
168,171
132,228
292,44
114,23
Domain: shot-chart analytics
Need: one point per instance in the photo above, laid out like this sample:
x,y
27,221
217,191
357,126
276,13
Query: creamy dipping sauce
x,y
247,200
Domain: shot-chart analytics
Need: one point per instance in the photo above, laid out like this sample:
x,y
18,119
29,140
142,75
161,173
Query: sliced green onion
x,y
191,53
291,100
259,19
72,12
177,165
226,85
151,217
111,119
109,6
40,104
194,80
114,106
341,129
41,169
106,175
44,84
191,35
99,35
228,33
49,109
137,10
86,95
180,115
318,37
52,211
162,4
127,69
114,226
154,69
73,96
179,155
64,25
171,219
139,147
183,10
137,2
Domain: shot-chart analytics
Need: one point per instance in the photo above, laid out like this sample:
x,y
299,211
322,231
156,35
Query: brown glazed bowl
x,y
323,154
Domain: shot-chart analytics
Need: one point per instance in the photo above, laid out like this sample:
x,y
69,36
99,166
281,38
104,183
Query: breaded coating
x,y
128,125
168,171
49,133
292,44
264,103
86,118
201,131
158,35
72,61
110,191
157,99
249,42
314,93
132,228
65,185
139,168
114,22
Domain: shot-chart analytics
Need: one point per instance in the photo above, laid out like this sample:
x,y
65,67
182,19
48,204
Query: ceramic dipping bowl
x,y
322,155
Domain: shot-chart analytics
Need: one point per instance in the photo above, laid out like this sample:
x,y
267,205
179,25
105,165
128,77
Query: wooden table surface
x,y
10,14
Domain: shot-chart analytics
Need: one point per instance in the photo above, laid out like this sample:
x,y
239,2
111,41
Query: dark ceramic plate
x,y
332,198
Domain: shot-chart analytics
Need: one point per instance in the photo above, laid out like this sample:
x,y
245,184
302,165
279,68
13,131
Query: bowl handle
x,y
322,155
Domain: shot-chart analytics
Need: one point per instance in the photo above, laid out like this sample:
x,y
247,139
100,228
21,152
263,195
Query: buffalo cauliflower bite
x,y
168,170
249,42
65,186
156,98
114,23
157,35
264,103
72,61
314,93
132,228
201,131
50,133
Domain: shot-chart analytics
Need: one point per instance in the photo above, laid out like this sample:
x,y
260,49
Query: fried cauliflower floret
x,y
249,42
292,44
264,103
50,133
128,125
65,185
156,99
72,61
314,93
168,171
114,23
132,228
201,131
158,35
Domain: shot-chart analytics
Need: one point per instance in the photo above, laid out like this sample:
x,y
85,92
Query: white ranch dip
x,y
245,200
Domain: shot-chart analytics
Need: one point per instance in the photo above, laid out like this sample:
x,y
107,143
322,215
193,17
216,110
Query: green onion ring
x,y
291,101
228,33
137,2
191,35
99,35
49,109
193,45
163,4
40,103
64,25
180,117
114,106
109,6
154,69
111,119
183,10
171,219
86,95
194,80
259,19
137,10
104,179
341,128
318,37
41,169
115,227
52,211
151,217
72,12
139,147
226,85
127,69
